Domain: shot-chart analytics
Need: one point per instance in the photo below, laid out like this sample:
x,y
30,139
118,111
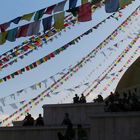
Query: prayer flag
x,y
16,20
47,23
111,6
60,6
124,3
22,31
3,36
72,4
4,26
85,13
27,16
39,14
11,34
50,9
33,28
59,21
84,1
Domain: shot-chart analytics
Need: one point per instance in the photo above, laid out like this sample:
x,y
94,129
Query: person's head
x,y
76,95
111,93
40,115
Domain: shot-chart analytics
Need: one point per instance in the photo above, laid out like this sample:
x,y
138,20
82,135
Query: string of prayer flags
x,y
46,58
85,13
127,64
41,98
37,15
108,70
111,6
65,77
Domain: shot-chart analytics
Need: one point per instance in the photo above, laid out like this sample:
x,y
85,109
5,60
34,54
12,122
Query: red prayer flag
x,y
22,31
85,13
50,9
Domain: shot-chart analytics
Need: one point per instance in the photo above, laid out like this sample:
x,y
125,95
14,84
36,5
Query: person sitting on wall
x,y
40,121
66,121
111,98
82,99
100,99
25,120
29,120
76,99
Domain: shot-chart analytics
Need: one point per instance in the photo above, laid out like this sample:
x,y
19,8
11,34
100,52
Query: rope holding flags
x,y
58,51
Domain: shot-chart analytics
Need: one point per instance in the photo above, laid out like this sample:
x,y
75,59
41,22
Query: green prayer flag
x,y
3,36
59,21
27,16
84,1
124,3
39,14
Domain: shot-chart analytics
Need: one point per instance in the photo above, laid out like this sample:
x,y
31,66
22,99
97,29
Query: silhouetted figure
x,y
100,99
66,121
30,120
70,133
81,133
111,98
82,99
25,123
76,99
60,136
116,97
40,121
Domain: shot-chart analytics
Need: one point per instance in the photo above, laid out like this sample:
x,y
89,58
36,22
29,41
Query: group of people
x,y
29,120
125,102
70,133
78,99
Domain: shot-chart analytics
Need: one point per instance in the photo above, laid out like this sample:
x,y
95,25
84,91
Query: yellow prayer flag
x,y
59,21
27,16
84,1
3,37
